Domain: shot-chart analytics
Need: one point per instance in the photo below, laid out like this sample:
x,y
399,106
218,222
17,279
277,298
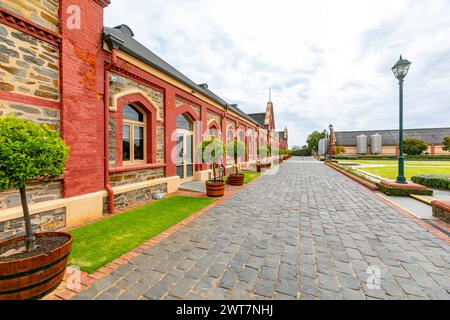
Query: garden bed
x,y
98,244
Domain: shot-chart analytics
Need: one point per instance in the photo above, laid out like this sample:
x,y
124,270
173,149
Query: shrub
x,y
414,147
403,192
446,144
392,157
437,181
28,151
339,150
211,151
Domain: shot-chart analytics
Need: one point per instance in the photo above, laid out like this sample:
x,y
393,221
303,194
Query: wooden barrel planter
x,y
236,179
34,277
215,189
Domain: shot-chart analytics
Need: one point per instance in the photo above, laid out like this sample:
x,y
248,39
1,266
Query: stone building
x,y
132,121
390,139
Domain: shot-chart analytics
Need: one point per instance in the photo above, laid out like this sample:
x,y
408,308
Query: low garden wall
x,y
441,210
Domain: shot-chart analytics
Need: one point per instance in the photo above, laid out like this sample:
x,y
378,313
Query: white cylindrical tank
x,y
376,143
361,144
323,147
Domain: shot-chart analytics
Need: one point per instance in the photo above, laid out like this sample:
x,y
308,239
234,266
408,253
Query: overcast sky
x,y
326,61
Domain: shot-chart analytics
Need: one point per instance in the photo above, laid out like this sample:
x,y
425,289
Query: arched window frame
x,y
150,111
132,124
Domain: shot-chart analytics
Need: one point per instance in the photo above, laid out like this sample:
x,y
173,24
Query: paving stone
x,y
305,230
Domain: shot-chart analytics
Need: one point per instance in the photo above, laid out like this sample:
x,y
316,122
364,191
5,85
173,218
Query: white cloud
x,y
328,61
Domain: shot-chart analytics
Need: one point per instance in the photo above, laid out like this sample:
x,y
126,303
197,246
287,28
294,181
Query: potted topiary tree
x,y
263,153
236,150
212,152
34,264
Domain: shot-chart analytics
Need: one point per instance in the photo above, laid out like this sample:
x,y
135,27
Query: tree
x,y
339,150
236,150
211,151
446,144
296,148
313,140
28,151
414,147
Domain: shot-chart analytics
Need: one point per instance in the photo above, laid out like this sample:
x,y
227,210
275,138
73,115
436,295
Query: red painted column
x,y
170,129
82,65
204,118
224,138
433,150
396,151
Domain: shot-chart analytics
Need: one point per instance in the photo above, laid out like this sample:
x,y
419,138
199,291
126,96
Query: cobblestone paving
x,y
305,233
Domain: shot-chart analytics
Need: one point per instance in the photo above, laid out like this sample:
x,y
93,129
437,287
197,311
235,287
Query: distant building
x,y
389,140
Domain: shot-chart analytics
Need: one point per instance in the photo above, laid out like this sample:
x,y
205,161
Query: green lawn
x,y
250,175
410,171
98,244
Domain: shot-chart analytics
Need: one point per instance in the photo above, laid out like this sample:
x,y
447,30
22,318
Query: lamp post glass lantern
x,y
400,71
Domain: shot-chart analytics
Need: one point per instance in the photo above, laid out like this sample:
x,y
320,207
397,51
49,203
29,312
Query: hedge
x,y
397,192
384,157
438,181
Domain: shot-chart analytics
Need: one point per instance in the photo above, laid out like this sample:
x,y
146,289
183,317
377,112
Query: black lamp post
x,y
400,70
331,141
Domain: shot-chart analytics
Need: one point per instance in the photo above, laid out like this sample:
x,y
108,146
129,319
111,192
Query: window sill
x,y
136,167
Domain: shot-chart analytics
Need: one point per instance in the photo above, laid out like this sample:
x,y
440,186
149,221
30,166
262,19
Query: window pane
x,y
133,114
190,171
184,123
180,149
190,150
138,143
180,171
126,150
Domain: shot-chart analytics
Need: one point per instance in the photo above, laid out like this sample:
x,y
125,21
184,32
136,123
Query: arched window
x,y
134,132
214,132
184,123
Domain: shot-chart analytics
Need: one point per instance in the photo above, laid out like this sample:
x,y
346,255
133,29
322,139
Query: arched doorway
x,y
185,148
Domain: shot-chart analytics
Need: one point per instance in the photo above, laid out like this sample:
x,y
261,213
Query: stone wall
x,y
28,65
37,192
43,222
41,12
122,85
214,117
37,114
131,198
124,178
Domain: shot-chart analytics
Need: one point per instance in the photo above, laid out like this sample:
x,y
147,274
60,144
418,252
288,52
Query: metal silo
x,y
376,143
361,144
323,147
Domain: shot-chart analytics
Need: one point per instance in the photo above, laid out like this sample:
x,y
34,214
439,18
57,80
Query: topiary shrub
x,y
236,150
211,151
403,192
28,151
414,147
437,181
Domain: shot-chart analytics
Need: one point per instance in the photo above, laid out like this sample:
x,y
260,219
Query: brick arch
x,y
185,108
151,113
213,123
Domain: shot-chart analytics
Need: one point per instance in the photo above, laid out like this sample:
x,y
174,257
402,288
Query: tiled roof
x,y
391,137
260,118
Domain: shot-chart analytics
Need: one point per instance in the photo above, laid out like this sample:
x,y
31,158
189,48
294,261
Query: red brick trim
x,y
17,22
185,108
365,183
137,78
20,98
444,205
408,186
